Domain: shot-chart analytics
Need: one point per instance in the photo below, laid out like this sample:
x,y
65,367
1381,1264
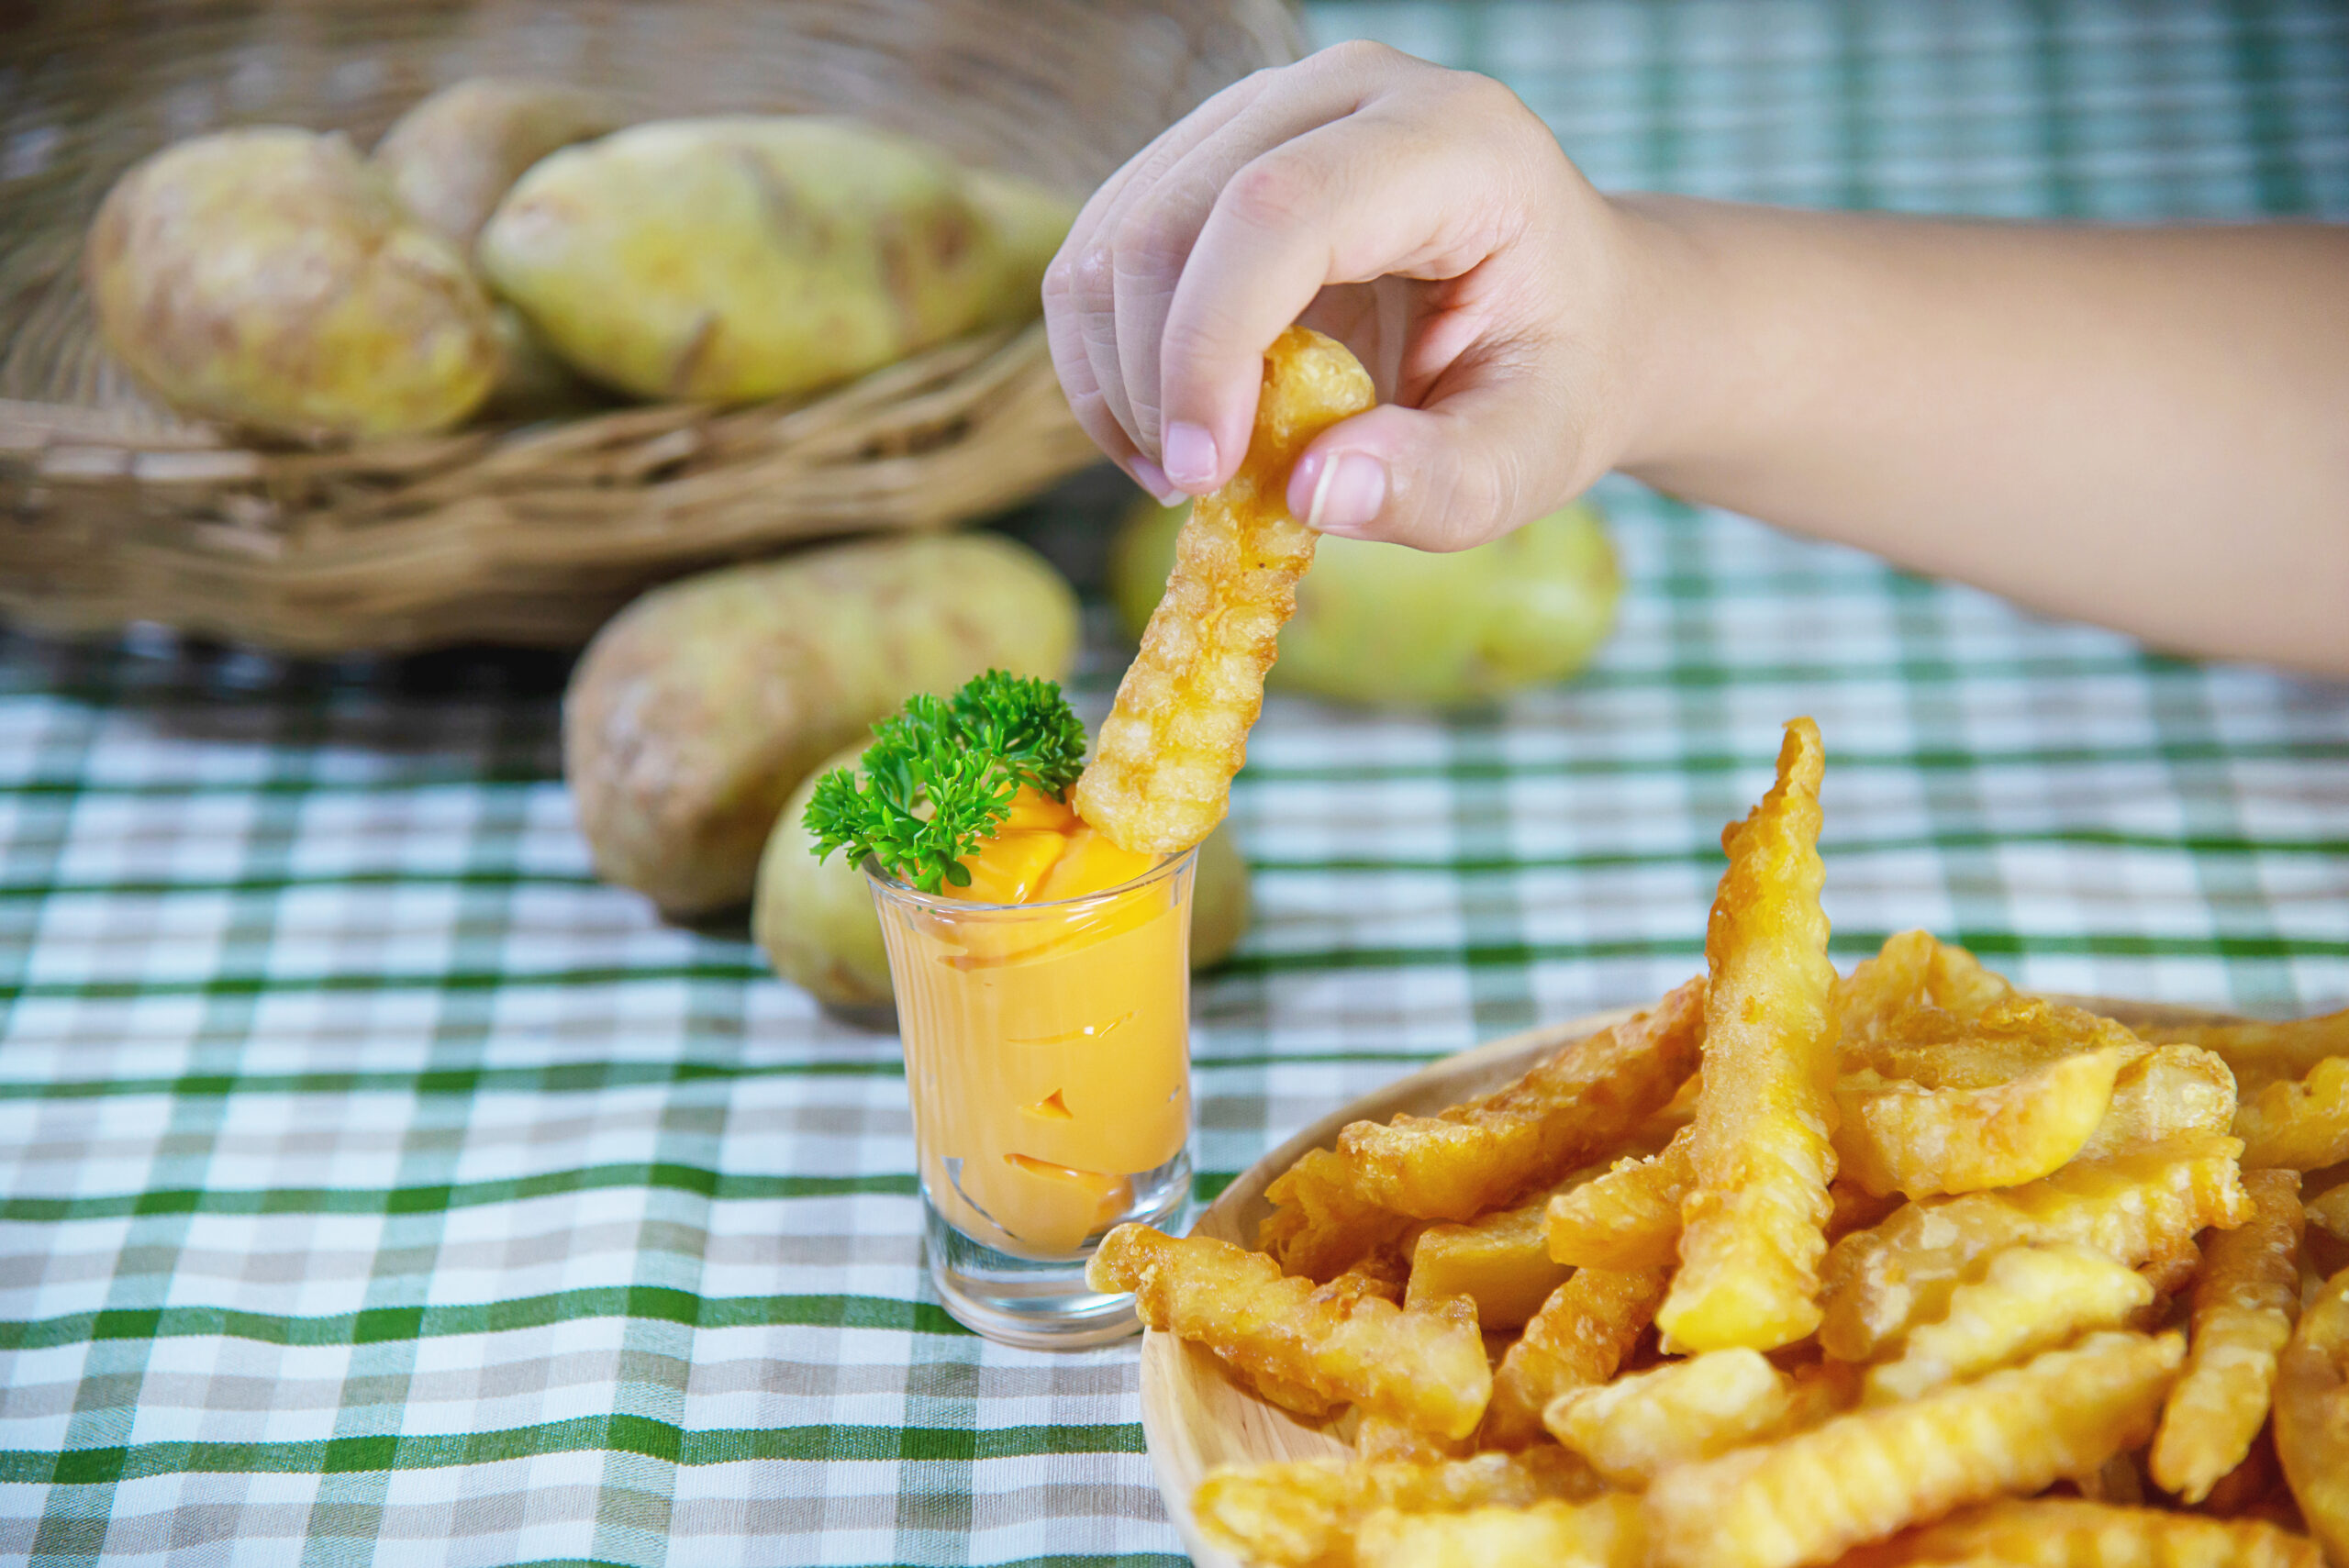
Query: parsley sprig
x,y
939,777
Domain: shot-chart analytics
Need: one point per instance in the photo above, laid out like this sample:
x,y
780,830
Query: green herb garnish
x,y
939,777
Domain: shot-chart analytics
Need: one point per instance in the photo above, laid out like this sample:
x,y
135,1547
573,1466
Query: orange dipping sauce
x,y
1046,1023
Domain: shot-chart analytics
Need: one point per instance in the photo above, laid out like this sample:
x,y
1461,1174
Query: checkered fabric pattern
x,y
374,1187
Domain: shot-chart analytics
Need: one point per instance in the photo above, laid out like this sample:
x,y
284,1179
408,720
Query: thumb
x,y
1467,468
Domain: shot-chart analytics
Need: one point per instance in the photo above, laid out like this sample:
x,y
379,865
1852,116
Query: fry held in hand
x,y
1424,1368
1754,1228
1161,775
2244,1303
1812,1496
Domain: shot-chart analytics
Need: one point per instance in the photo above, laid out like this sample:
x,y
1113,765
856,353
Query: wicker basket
x,y
113,510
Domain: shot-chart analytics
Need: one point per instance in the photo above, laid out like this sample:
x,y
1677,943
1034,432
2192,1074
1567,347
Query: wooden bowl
x,y
1194,1418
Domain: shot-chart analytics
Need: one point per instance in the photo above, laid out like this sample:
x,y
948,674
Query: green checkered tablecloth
x,y
379,1188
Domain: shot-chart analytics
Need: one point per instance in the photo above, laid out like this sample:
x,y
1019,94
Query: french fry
x,y
1383,1439
1897,1136
1642,1424
2133,1208
2008,1037
1425,1368
2064,1532
2312,1416
2299,1125
1602,1533
1807,1497
1583,1101
2015,1303
1754,1226
2263,1053
1852,1208
1304,1513
1500,1262
1580,1337
2244,1303
1320,1224
1628,1219
1912,976
2168,1092
2329,1212
1161,775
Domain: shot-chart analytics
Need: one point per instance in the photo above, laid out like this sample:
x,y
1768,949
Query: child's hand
x,y
1424,217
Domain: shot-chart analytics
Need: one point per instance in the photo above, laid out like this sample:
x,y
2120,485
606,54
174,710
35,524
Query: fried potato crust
x,y
2262,1053
1754,1226
2026,1299
2067,1532
1426,1368
1501,1261
1303,1513
1914,983
1856,1478
1580,1337
1628,1219
2133,1208
1161,775
2312,1416
2245,1301
2301,1125
1897,1136
1643,1423
1603,1533
2328,1211
1320,1222
1583,1101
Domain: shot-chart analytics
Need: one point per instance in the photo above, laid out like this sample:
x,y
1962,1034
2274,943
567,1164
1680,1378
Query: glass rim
x,y
905,891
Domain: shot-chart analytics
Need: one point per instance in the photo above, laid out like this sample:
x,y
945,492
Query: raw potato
x,y
730,260
697,709
1383,625
453,156
815,918
267,277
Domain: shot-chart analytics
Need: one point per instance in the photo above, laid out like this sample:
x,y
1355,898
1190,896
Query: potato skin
x,y
815,920
735,259
1386,626
452,157
696,709
269,278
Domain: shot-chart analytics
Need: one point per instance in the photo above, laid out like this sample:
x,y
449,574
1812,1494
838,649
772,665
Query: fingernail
x,y
1347,495
1152,478
1190,455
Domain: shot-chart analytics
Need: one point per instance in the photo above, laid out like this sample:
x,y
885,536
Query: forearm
x,y
2145,428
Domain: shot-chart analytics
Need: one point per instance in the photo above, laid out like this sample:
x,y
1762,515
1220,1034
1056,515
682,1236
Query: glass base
x,y
1044,1305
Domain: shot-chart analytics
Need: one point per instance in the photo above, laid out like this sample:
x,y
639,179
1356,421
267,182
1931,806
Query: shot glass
x,y
1048,1059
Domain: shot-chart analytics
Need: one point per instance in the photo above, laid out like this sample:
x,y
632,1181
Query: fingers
x,y
1365,196
1493,448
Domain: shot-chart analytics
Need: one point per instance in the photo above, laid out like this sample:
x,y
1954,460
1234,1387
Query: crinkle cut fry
x,y
1899,1136
2069,1532
2244,1304
1304,1513
1754,1226
2312,1416
1580,1337
1809,1498
2262,1053
1582,1101
1320,1224
1426,1368
1913,972
2028,1299
2328,1211
1602,1533
1646,1422
2133,1208
1161,775
2298,1126
1628,1219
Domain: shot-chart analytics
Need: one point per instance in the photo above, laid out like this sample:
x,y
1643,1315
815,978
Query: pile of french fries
x,y
1898,1267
